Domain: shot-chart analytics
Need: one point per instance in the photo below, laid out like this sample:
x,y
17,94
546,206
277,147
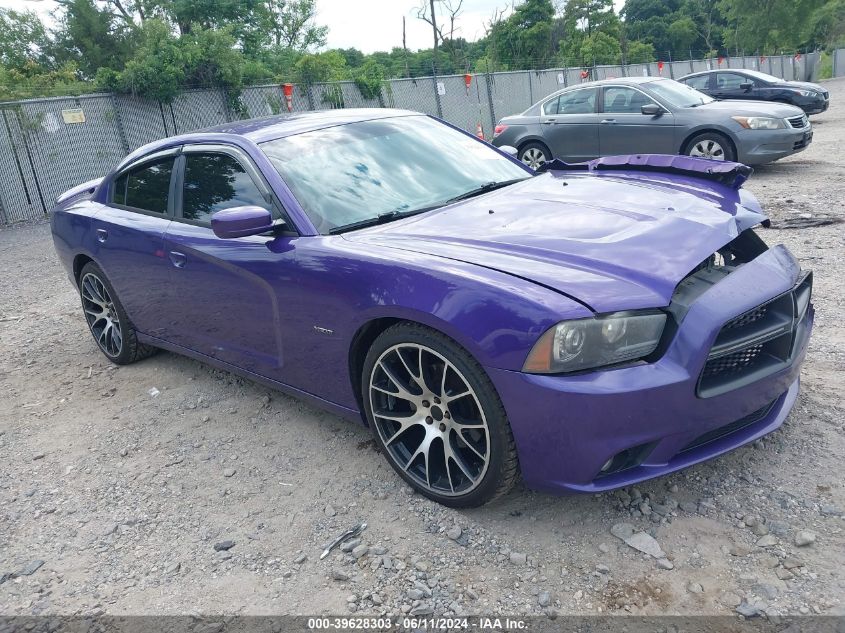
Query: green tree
x,y
600,48
523,40
682,34
165,64
292,24
588,27
369,79
93,38
766,25
637,52
826,25
23,38
321,67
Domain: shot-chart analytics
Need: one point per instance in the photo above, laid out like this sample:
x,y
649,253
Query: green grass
x,y
825,66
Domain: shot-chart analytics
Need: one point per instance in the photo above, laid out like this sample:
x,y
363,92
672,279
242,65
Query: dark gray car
x,y
652,115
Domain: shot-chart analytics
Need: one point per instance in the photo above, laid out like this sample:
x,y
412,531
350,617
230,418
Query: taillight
x,y
499,129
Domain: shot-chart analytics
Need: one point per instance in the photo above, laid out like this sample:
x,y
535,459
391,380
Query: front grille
x,y
746,319
799,122
728,429
732,363
756,343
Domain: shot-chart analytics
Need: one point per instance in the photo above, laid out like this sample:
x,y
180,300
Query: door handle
x,y
102,235
608,121
549,122
178,259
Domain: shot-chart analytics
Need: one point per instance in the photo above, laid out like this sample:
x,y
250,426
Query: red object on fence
x,y
585,74
287,89
468,81
660,67
720,60
479,131
762,58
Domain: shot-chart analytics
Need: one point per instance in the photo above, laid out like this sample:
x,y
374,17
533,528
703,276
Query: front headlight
x,y
805,93
596,342
760,122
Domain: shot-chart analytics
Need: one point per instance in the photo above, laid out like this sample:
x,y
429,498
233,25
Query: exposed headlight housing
x,y
760,122
596,342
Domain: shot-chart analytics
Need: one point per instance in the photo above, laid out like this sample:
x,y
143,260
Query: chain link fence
x,y
50,145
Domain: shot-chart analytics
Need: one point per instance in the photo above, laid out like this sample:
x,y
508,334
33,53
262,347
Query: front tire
x,y
710,145
107,320
437,418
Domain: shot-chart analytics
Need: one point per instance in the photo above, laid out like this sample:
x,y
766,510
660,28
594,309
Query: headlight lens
x,y
596,342
805,93
760,122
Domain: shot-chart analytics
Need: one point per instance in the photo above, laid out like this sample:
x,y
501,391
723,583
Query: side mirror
x,y
510,150
746,86
241,221
651,109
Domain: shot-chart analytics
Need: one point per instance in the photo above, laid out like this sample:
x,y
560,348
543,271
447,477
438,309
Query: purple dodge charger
x,y
585,328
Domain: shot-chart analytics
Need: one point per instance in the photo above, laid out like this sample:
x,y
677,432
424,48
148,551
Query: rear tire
x,y
107,320
534,155
437,418
710,145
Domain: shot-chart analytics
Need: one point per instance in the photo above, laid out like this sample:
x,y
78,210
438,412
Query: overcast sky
x,y
369,25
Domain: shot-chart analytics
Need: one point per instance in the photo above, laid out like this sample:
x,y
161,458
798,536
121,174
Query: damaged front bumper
x,y
611,428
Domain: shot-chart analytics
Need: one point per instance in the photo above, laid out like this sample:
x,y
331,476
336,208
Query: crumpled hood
x,y
613,242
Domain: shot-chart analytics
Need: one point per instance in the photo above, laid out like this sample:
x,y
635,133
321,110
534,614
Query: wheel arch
x,y
79,262
534,139
369,331
711,130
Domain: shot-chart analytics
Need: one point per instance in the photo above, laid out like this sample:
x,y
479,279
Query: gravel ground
x,y
214,496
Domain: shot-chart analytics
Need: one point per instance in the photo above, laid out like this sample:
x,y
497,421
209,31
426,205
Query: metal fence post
x,y
489,79
436,91
119,122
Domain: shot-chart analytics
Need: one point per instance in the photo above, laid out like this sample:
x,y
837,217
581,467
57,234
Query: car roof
x,y
713,71
281,125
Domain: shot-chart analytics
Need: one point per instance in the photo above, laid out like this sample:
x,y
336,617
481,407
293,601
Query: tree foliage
x,y
158,48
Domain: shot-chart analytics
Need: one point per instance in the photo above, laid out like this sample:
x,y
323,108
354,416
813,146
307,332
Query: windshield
x,y
678,94
357,172
762,76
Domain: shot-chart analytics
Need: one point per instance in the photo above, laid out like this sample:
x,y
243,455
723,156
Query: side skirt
x,y
353,415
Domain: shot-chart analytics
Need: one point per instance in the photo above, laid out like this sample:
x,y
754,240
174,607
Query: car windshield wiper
x,y
396,214
381,218
486,187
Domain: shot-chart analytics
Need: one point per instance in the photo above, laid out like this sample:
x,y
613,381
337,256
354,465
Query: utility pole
x,y
434,29
405,48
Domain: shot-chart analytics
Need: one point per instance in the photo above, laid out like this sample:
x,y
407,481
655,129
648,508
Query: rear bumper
x,y
568,427
755,147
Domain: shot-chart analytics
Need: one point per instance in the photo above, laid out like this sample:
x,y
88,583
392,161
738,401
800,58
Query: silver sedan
x,y
652,115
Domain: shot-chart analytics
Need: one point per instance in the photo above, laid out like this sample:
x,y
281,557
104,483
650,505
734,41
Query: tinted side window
x,y
214,182
624,100
550,107
577,102
730,81
145,187
699,83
